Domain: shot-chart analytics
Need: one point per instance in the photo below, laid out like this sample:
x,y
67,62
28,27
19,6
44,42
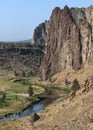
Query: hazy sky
x,y
18,18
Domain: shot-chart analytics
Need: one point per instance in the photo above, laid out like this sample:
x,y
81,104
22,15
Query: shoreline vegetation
x,y
17,98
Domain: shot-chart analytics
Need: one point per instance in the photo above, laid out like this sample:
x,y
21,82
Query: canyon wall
x,y
69,40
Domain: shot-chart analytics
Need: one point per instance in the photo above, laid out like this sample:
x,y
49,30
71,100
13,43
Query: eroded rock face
x,y
84,20
40,34
69,41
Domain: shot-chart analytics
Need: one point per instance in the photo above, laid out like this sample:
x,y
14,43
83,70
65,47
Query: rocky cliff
x,y
40,34
20,57
69,41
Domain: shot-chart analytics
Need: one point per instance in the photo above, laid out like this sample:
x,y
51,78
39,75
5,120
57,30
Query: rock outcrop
x,y
69,41
40,34
20,57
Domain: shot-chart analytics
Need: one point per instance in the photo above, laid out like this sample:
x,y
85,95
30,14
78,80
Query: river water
x,y
33,109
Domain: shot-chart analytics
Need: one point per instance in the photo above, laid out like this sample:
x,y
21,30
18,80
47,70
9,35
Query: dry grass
x,y
80,75
62,115
66,115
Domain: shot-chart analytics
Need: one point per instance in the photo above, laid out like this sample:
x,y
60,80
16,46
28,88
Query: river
x,y
33,109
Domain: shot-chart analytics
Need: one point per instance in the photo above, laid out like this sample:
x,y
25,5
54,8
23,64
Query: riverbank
x,y
19,107
60,115
14,93
33,106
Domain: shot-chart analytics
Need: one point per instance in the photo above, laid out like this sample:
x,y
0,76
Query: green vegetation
x,y
17,88
75,85
3,97
67,90
11,103
15,73
21,91
14,97
30,90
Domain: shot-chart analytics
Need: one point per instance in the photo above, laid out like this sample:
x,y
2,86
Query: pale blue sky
x,y
18,18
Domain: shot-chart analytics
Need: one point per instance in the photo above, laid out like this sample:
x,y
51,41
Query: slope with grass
x,y
75,114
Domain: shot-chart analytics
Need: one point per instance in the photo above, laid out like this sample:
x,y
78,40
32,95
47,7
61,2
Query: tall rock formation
x,y
40,34
69,41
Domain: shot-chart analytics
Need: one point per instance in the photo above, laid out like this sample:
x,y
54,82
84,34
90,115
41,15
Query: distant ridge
x,y
23,41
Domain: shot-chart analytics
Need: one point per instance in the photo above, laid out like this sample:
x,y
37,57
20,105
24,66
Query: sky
x,y
18,18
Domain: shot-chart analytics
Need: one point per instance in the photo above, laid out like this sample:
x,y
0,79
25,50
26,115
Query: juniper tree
x,y
75,85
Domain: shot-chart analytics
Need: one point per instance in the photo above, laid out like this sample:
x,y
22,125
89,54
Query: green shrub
x,y
67,90
15,73
75,85
23,74
3,97
30,90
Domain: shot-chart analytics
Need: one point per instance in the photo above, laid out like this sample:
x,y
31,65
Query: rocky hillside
x,y
74,112
20,57
69,41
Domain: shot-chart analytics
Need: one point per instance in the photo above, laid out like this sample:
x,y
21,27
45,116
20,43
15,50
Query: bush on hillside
x,y
75,85
30,90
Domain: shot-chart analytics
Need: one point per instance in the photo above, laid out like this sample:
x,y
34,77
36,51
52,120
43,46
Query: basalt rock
x,y
21,58
69,41
40,34
35,117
